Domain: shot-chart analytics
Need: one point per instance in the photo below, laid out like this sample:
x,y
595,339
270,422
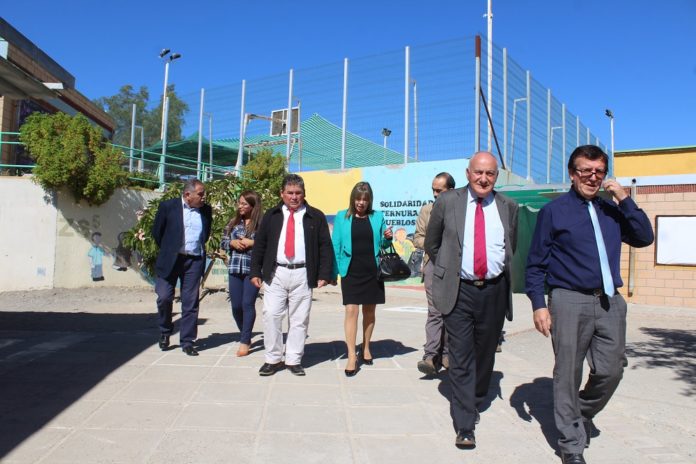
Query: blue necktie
x,y
607,279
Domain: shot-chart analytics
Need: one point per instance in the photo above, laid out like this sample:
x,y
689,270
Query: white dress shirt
x,y
495,238
299,238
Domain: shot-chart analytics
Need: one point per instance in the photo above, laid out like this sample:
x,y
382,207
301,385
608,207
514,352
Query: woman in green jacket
x,y
358,234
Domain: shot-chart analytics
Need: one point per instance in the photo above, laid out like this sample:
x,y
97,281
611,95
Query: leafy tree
x,y
70,152
264,174
120,108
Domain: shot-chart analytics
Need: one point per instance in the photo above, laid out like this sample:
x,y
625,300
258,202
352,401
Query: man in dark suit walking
x,y
181,229
470,239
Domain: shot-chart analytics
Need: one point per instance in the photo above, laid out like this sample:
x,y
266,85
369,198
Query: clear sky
x,y
637,57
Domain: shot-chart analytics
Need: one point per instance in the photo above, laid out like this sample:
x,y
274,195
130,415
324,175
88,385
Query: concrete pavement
x,y
84,382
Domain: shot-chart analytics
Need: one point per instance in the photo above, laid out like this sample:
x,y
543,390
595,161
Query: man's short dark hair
x,y
190,185
449,180
591,152
292,179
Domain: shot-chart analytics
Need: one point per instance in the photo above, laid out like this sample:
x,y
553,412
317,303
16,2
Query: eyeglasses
x,y
586,173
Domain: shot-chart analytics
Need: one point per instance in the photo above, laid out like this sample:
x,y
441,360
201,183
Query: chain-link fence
x,y
413,104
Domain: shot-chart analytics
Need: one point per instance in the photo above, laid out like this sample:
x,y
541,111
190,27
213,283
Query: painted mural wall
x,y
89,241
27,235
49,241
400,192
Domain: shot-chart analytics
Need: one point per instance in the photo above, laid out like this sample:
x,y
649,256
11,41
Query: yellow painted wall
x,y
655,163
330,190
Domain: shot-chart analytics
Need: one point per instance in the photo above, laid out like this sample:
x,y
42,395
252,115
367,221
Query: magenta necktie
x,y
290,236
480,261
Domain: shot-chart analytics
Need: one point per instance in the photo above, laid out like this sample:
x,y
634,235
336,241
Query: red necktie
x,y
480,261
290,235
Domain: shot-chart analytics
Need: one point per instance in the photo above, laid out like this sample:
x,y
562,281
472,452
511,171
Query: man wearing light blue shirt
x,y
181,229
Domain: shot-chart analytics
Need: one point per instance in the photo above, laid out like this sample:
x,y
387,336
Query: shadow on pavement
x,y
494,390
669,348
535,401
49,360
316,353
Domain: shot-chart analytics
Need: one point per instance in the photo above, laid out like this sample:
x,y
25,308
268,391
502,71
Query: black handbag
x,y
391,267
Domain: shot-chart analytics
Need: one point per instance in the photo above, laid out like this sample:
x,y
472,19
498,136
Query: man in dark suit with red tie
x,y
470,239
292,255
181,229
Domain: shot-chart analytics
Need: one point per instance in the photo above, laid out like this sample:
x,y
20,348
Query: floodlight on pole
x,y
386,133
172,57
608,113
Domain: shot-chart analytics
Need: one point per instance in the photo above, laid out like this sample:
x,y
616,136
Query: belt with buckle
x,y
292,266
482,282
592,292
189,255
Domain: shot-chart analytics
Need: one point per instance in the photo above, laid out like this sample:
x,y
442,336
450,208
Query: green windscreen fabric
x,y
526,221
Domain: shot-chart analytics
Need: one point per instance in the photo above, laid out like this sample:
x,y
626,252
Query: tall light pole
x,y
386,133
168,58
610,115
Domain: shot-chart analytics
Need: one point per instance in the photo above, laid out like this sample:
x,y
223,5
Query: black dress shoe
x,y
465,439
164,342
295,369
189,350
572,458
270,369
351,372
366,361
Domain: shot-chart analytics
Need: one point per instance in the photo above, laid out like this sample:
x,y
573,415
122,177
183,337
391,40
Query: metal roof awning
x,y
17,84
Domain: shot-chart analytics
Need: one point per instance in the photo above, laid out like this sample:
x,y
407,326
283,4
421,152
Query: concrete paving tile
x,y
34,447
308,395
75,414
230,393
103,391
158,391
146,358
304,448
373,376
126,372
389,419
305,419
313,377
369,395
175,373
211,447
105,446
133,415
235,417
177,358
233,374
416,449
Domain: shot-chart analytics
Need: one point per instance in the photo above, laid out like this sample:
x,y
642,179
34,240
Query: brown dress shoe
x,y
465,439
427,367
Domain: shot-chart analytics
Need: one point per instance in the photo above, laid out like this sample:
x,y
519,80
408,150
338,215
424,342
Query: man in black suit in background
x,y
181,229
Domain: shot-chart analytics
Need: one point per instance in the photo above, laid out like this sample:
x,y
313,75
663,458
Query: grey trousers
x,y
435,334
584,327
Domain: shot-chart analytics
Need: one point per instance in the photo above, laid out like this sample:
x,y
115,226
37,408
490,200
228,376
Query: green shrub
x,y
70,152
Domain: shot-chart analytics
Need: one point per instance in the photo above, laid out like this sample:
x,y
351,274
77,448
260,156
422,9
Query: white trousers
x,y
289,294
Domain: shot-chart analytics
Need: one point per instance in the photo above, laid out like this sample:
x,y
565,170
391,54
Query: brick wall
x,y
662,285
